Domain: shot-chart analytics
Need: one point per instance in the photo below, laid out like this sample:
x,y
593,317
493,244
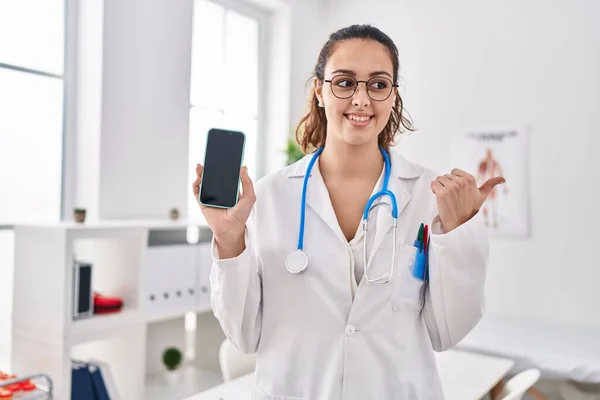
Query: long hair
x,y
311,131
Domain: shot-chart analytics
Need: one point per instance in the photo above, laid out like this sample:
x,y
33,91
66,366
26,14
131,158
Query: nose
x,y
361,97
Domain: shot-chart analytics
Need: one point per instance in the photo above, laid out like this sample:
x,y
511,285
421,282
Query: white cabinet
x,y
159,276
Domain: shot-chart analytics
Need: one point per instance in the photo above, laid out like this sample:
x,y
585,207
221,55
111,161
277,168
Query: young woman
x,y
334,310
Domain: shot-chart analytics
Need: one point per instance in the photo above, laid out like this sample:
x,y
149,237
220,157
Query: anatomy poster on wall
x,y
485,154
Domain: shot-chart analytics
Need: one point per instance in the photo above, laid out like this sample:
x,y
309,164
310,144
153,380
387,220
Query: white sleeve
x,y
236,295
455,298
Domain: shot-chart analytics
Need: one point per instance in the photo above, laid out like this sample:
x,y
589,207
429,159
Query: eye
x,y
379,84
345,83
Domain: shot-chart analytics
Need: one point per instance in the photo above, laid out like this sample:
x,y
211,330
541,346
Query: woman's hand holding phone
x,y
228,225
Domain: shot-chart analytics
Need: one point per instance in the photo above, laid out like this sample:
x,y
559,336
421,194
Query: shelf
x,y
96,327
102,326
175,313
118,224
44,336
191,380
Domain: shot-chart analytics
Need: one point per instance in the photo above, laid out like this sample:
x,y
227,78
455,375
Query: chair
x,y
233,362
516,387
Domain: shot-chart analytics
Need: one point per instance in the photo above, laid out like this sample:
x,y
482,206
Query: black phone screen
x,y
222,163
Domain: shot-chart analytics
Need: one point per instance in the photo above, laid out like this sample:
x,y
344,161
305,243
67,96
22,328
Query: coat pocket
x,y
260,394
406,289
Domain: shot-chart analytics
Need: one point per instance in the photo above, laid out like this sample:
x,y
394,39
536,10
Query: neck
x,y
347,161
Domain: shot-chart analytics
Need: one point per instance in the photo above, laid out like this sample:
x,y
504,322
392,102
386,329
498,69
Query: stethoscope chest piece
x,y
296,262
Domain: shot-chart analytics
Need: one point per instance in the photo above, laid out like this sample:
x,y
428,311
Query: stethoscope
x,y
297,261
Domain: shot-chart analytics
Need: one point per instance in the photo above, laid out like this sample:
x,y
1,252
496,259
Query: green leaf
x,y
172,358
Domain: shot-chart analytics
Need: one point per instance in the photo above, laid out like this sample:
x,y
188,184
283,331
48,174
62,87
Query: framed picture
x,y
489,153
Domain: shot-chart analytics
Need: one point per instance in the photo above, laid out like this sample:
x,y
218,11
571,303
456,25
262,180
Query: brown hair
x,y
312,128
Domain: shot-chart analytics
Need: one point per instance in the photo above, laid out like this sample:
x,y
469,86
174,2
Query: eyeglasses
x,y
344,87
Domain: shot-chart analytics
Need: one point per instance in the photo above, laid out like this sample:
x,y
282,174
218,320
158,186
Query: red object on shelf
x,y
15,387
5,394
106,304
27,386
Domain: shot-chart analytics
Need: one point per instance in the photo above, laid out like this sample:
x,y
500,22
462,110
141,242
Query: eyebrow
x,y
350,72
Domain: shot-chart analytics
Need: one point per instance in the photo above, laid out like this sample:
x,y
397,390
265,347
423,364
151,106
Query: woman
x,y
339,330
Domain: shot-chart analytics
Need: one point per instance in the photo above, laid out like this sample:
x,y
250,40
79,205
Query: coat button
x,y
350,329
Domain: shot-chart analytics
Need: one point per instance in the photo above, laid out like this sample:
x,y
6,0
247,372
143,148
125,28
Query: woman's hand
x,y
228,224
459,198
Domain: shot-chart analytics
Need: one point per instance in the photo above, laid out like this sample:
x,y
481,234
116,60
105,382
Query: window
x,y
225,90
32,37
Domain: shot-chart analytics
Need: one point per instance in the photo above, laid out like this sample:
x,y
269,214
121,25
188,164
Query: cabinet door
x,y
204,266
171,277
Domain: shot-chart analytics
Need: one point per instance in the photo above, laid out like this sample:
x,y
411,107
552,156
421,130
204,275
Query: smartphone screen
x,y
222,164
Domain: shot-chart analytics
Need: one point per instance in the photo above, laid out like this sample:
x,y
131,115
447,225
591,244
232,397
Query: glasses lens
x,y
343,86
379,89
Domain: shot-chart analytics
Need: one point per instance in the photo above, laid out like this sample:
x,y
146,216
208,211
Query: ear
x,y
318,88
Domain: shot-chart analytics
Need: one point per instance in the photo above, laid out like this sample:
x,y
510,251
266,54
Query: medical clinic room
x,y
299,200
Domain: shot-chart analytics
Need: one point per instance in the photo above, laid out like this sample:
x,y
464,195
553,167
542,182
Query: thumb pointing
x,y
489,185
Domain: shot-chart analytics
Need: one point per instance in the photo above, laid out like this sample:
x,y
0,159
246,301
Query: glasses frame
x,y
394,85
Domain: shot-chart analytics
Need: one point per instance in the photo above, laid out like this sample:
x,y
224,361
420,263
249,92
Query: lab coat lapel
x,y
318,199
317,196
401,171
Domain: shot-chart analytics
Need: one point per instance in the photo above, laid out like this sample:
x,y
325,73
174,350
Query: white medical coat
x,y
312,340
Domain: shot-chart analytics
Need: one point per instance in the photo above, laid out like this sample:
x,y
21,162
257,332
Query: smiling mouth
x,y
358,120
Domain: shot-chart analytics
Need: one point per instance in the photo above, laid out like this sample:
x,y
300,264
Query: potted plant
x,y
79,214
293,149
174,214
172,360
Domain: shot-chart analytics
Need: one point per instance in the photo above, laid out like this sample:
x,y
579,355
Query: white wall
x,y
309,34
484,65
145,108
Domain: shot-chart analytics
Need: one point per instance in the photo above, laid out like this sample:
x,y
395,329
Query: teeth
x,y
358,118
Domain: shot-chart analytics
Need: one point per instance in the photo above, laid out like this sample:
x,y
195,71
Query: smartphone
x,y
223,160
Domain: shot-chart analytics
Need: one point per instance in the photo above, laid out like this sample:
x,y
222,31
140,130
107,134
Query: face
x,y
359,119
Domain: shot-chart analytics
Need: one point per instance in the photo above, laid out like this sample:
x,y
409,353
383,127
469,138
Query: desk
x,y
464,376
